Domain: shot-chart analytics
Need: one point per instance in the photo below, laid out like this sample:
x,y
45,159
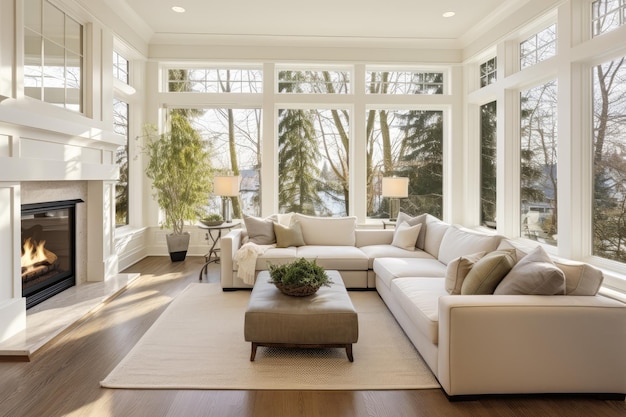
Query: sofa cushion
x,y
419,298
580,278
434,231
327,231
288,235
458,241
277,256
388,269
534,274
458,269
405,235
388,251
335,257
487,273
259,230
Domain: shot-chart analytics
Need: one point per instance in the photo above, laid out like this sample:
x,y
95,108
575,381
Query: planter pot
x,y
177,246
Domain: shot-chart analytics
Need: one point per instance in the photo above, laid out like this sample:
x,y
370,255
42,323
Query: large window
x,y
538,47
233,138
53,55
405,143
120,126
609,160
539,163
607,15
488,164
313,168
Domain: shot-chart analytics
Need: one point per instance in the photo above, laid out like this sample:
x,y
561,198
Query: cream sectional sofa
x,y
474,344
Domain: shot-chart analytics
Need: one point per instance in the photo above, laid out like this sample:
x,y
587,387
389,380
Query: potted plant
x,y
212,219
180,170
299,278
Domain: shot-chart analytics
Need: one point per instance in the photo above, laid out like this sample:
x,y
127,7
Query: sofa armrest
x,y
490,344
229,244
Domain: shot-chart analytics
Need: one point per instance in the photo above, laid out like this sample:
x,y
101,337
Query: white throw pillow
x,y
406,235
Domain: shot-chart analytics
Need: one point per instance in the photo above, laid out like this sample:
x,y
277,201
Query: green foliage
x,y
180,170
213,217
299,273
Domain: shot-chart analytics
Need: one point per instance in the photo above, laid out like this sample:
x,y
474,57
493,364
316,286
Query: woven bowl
x,y
211,222
297,290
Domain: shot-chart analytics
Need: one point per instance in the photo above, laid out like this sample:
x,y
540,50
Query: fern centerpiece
x,y
299,278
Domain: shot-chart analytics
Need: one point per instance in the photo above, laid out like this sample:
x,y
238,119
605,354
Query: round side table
x,y
213,236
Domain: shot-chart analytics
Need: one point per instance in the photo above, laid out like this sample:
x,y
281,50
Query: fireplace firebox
x,y
48,249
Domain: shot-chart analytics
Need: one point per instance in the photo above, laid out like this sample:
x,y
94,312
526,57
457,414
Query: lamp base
x,y
226,215
394,209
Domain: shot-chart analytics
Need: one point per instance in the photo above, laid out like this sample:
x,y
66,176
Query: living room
x,y
61,149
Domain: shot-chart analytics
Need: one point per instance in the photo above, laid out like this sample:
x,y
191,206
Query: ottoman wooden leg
x,y
253,352
349,352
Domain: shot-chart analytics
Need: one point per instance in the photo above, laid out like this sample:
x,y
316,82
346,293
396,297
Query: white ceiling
x,y
342,19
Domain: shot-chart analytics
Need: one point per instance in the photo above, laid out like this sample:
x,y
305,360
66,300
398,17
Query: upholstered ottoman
x,y
323,320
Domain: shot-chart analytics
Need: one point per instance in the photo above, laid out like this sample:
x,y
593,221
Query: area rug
x,y
198,343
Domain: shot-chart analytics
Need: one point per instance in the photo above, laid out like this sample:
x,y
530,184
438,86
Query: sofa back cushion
x,y
458,241
328,231
433,231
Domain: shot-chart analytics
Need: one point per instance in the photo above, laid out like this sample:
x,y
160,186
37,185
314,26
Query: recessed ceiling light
x,y
178,9
448,14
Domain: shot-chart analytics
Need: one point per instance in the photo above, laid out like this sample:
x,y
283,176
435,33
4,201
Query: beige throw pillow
x,y
487,273
412,221
405,235
458,269
288,235
534,274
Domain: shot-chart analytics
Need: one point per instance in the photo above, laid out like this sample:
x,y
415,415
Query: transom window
x,y
488,72
53,55
607,15
404,82
215,80
120,68
313,81
539,47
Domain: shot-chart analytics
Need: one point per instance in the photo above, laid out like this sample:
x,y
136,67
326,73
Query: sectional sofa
x,y
487,316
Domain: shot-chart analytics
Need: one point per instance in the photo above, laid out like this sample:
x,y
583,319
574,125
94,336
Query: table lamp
x,y
226,186
395,188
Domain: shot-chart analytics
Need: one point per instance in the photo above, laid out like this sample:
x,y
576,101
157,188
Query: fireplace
x,y
48,249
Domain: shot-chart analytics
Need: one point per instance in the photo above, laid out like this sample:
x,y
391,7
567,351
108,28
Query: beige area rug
x,y
197,343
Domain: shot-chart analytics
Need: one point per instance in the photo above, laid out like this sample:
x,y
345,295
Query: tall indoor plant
x,y
180,170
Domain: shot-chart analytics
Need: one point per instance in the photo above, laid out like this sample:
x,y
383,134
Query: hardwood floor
x,y
63,377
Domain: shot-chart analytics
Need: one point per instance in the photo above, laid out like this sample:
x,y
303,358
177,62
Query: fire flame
x,y
34,254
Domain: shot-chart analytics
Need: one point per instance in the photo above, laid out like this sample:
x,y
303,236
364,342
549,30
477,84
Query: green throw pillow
x,y
488,271
288,235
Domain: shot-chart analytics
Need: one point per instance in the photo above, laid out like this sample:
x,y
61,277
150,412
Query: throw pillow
x,y
487,273
405,236
260,231
412,221
534,274
288,235
458,269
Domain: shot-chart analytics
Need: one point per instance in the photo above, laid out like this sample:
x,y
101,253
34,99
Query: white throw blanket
x,y
246,260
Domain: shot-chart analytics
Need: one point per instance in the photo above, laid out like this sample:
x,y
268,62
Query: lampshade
x,y
226,185
395,187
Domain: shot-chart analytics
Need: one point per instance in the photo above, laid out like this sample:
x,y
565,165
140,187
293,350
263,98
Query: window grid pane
x,y
215,80
538,47
53,56
120,126
120,68
313,82
488,72
488,164
404,82
607,15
